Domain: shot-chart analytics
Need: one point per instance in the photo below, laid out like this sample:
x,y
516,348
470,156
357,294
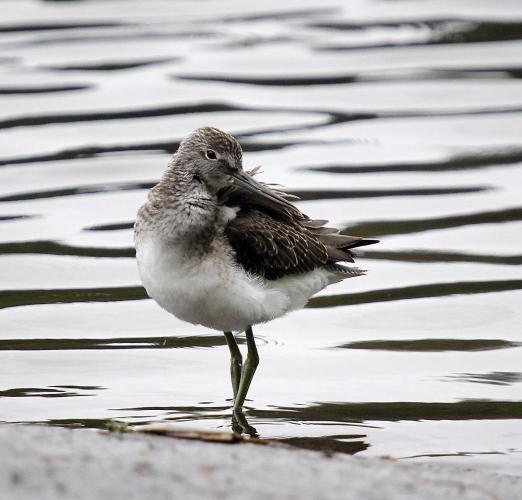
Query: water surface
x,y
398,120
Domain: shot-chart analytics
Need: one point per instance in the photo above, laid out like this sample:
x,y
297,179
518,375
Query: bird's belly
x,y
212,291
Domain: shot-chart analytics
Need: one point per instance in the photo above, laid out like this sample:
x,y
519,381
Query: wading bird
x,y
217,248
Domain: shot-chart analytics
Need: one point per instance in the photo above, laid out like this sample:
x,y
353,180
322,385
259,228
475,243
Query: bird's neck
x,y
180,209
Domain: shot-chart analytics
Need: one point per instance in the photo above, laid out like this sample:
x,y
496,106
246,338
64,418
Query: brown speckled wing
x,y
273,248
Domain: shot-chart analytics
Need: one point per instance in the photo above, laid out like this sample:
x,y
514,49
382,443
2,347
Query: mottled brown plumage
x,y
273,248
273,241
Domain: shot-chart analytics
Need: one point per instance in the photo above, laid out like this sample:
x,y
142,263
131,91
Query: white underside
x,y
216,293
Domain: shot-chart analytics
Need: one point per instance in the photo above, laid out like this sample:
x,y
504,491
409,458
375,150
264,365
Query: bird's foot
x,y
241,426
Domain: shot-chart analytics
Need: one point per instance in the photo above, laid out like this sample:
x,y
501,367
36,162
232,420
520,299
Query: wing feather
x,y
272,248
275,243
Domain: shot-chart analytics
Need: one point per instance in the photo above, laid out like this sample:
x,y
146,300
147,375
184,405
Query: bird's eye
x,y
211,155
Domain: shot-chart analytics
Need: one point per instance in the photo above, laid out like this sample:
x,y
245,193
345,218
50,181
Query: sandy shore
x,y
40,462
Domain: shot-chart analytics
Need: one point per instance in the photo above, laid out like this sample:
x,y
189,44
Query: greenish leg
x,y
236,361
247,373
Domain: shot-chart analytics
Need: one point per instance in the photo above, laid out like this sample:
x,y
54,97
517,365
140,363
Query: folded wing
x,y
273,247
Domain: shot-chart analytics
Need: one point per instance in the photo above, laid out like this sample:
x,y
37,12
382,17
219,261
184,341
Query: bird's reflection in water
x,y
341,443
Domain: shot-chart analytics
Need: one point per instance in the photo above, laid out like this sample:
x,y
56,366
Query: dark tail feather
x,y
360,243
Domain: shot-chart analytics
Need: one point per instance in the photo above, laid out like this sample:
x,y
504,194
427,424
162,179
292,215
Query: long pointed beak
x,y
260,195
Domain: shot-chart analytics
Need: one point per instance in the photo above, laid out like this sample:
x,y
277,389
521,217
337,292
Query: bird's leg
x,y
236,361
247,373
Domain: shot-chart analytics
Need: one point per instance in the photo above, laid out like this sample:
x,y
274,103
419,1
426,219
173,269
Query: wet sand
x,y
58,463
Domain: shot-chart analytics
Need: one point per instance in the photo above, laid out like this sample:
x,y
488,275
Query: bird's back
x,y
274,241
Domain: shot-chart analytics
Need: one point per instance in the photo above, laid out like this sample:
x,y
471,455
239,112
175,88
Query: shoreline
x,y
43,462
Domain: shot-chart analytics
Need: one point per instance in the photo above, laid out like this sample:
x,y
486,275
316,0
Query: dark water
x,y
395,119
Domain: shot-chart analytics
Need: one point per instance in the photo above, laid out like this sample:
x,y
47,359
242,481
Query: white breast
x,y
213,291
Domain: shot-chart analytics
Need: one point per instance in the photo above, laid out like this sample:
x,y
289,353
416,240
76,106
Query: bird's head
x,y
215,160
213,156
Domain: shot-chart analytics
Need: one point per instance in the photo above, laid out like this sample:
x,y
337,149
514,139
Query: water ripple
x,y
415,292
381,228
432,345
